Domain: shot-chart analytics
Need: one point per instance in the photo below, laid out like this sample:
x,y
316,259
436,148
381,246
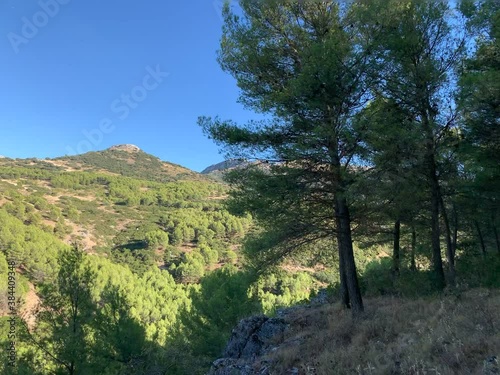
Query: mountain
x,y
129,160
149,228
97,198
217,171
223,166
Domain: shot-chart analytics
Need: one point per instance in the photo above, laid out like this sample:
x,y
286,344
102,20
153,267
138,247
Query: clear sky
x,y
80,75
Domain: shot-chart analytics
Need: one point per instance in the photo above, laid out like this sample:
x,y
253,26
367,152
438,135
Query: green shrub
x,y
327,276
210,256
479,271
378,279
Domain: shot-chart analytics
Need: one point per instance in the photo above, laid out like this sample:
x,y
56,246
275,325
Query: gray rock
x,y
253,337
261,340
241,336
491,366
125,147
321,298
228,366
271,329
232,366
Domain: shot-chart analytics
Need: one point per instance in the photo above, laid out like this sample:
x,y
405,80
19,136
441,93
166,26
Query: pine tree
x,y
422,46
63,322
305,66
479,100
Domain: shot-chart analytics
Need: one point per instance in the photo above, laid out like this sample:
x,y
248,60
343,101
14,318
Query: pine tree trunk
x,y
430,164
497,239
437,262
344,293
346,253
430,161
449,246
480,236
413,265
349,286
495,232
396,248
455,230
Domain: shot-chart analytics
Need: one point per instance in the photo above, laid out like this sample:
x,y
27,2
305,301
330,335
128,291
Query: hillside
x,y
457,334
133,226
130,161
167,245
96,197
354,230
217,170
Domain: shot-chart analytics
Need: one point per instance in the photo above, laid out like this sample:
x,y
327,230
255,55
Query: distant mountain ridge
x,y
223,166
129,160
123,159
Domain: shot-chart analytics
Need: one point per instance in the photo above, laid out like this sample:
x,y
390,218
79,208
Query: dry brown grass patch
x,y
450,335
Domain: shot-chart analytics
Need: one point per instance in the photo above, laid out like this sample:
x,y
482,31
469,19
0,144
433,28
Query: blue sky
x,y
80,75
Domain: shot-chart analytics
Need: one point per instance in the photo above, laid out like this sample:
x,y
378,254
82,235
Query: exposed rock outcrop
x,y
322,338
253,337
491,366
125,147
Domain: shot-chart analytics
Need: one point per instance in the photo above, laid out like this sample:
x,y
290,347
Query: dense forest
x,y
376,173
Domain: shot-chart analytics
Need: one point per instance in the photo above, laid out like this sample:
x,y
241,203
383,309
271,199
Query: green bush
x,y
378,279
191,269
327,276
479,271
280,289
217,306
210,256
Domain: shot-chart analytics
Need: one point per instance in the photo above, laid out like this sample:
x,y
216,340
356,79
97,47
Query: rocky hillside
x,y
223,166
128,160
457,334
108,200
126,147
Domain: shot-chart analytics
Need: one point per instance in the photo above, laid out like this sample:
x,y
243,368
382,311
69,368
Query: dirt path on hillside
x,y
28,311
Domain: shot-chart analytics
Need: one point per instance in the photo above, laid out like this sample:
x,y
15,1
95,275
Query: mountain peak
x,y
223,166
125,147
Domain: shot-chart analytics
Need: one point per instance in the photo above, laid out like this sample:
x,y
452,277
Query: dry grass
x,y
12,182
52,199
84,236
298,268
452,335
30,306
